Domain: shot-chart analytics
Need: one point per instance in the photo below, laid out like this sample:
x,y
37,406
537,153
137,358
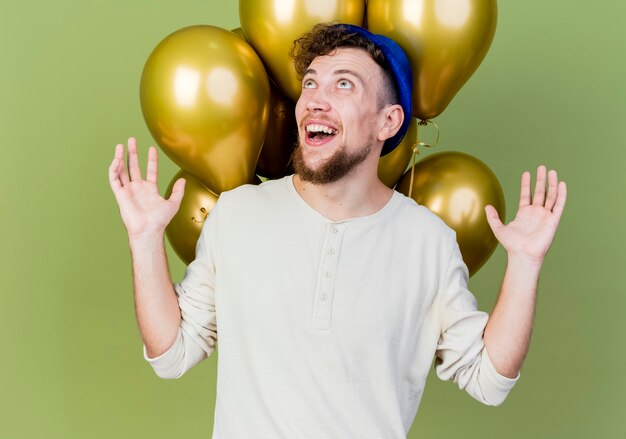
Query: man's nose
x,y
317,101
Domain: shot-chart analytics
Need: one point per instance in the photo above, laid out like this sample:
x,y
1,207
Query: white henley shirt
x,y
327,329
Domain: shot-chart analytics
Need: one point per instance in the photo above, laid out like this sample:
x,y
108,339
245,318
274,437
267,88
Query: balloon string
x,y
416,150
415,153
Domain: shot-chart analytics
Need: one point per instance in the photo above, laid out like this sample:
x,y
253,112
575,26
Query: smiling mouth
x,y
317,133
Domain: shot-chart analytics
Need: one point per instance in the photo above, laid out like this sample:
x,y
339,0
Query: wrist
x,y
524,263
146,239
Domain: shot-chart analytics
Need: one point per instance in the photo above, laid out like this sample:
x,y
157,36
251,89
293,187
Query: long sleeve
x,y
197,334
461,355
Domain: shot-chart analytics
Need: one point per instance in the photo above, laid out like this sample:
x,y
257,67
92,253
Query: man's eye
x,y
344,84
308,84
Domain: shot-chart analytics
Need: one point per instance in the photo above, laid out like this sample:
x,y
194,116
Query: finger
x,y
493,218
133,160
116,169
560,200
152,170
114,176
119,151
121,166
540,187
552,189
178,190
524,198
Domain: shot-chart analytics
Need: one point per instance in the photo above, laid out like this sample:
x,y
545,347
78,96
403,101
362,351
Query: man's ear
x,y
394,116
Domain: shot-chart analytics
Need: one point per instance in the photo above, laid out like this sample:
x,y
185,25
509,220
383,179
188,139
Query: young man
x,y
331,293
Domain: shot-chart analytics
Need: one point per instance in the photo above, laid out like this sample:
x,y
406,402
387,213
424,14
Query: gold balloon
x,y
184,229
392,166
205,99
271,26
457,187
445,41
281,135
280,139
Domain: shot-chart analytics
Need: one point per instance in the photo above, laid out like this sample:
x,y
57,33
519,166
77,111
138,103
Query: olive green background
x,y
550,91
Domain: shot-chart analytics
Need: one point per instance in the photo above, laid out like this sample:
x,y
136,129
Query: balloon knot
x,y
204,215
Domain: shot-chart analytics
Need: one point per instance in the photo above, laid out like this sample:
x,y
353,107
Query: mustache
x,y
321,118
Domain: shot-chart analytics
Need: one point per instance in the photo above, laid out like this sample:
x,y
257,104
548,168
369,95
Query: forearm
x,y
508,331
156,304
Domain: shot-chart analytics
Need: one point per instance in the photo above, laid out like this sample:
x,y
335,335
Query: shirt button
x,y
331,251
323,296
327,274
335,229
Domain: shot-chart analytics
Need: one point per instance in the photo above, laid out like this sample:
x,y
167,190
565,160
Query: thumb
x,y
178,190
493,218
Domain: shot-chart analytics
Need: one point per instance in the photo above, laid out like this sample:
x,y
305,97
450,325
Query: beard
x,y
336,167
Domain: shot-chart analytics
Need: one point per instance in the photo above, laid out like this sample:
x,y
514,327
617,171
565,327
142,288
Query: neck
x,y
354,195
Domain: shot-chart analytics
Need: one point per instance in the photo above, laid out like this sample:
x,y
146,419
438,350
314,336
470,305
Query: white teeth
x,y
315,128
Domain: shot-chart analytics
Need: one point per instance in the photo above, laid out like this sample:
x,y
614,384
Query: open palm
x,y
142,208
531,233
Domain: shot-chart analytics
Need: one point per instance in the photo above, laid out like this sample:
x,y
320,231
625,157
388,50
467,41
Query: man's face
x,y
337,114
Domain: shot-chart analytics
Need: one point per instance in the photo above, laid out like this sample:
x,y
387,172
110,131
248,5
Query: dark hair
x,y
324,38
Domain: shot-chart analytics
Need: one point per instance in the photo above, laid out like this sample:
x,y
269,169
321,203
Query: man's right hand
x,y
143,210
